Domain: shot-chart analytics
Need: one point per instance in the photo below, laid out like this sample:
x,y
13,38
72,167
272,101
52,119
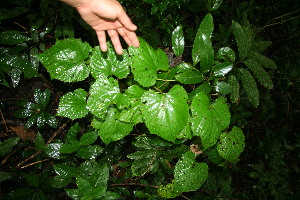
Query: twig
x,y
3,119
34,163
40,151
7,157
185,197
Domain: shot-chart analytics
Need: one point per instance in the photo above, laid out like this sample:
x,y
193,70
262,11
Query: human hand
x,y
107,15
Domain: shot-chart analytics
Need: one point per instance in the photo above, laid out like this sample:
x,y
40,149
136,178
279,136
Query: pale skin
x,y
107,15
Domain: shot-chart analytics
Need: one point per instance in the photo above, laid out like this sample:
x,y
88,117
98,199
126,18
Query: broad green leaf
x,y
243,41
66,60
53,150
16,11
64,171
260,74
73,193
70,147
7,145
263,60
146,62
151,143
216,5
72,133
214,156
222,69
59,182
167,191
166,114
32,179
12,37
235,93
208,120
204,87
89,152
227,54
111,129
178,41
223,87
202,49
88,138
188,174
39,142
109,63
5,176
103,93
249,85
231,144
190,77
41,98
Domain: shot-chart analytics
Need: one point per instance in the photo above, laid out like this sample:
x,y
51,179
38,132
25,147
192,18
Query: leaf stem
x,y
160,79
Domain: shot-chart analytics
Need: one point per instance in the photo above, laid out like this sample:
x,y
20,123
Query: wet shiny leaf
x,y
235,93
216,5
146,62
53,150
227,54
64,171
241,37
178,41
166,114
39,142
223,87
88,138
188,174
203,51
208,120
66,60
41,98
7,145
109,63
73,104
103,93
12,38
222,69
231,144
260,74
89,152
250,86
59,182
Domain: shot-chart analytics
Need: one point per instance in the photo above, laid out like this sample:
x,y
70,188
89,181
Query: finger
x,y
114,36
125,36
102,40
132,37
126,21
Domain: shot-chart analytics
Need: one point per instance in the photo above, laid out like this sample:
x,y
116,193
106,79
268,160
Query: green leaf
x,y
204,87
5,176
103,93
59,182
64,171
73,193
89,152
202,49
22,193
231,144
66,60
243,41
146,62
33,120
53,150
71,135
166,114
109,63
7,145
260,74
16,11
23,113
89,138
227,54
41,98
12,38
112,129
260,46
235,93
263,60
190,77
178,41
214,156
39,142
249,86
188,174
208,120
167,191
144,162
32,179
70,147
73,104
222,69
50,120
15,75
223,87
216,5
151,143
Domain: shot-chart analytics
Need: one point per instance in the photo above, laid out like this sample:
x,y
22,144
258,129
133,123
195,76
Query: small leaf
x,y
222,69
64,171
190,77
39,142
16,11
109,63
178,41
260,74
12,38
202,49
227,54
66,60
167,114
216,5
263,60
188,174
223,87
103,93
71,135
260,46
50,120
5,176
88,138
235,93
70,147
167,191
32,179
250,86
89,152
53,150
243,42
59,182
204,87
146,62
7,145
41,98
231,144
